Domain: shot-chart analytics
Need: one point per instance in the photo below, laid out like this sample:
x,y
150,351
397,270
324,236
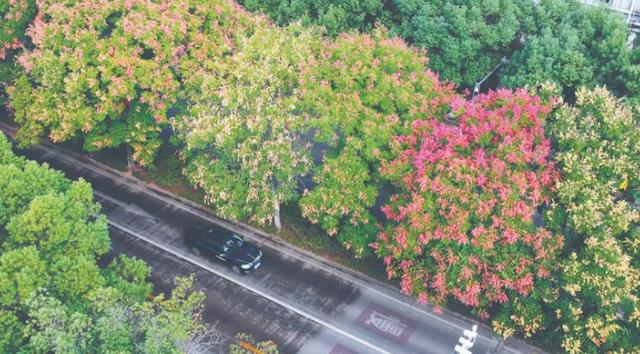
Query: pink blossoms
x,y
462,223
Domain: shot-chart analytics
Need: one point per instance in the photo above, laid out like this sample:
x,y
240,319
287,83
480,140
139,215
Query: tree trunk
x,y
276,214
130,163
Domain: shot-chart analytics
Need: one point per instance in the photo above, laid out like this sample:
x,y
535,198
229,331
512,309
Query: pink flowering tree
x,y
111,71
462,224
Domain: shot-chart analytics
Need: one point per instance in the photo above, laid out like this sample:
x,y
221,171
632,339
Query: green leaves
x,y
54,297
22,273
53,328
464,39
245,138
336,16
343,192
598,150
575,46
562,41
23,180
15,15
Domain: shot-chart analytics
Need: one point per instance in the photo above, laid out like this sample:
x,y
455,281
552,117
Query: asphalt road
x,y
303,303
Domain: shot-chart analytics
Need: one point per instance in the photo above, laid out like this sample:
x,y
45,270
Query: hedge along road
x,y
304,303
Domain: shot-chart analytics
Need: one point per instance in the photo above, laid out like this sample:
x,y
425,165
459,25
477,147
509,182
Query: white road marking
x,y
251,288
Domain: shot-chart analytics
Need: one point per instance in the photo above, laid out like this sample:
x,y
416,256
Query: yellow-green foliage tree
x,y
110,71
598,149
244,137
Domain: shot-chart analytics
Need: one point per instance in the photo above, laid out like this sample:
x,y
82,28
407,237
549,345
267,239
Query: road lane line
x,y
251,288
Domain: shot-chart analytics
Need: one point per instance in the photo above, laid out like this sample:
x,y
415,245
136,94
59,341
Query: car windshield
x,y
234,242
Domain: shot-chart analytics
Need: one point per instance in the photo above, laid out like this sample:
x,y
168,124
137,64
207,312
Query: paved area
x,y
304,303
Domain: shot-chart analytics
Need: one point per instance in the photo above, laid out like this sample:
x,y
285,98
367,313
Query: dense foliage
x,y
15,16
362,91
53,295
465,39
336,16
110,71
597,147
257,109
575,46
244,139
462,224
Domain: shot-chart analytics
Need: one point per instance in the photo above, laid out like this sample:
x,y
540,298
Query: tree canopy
x,y
362,92
516,204
113,77
16,16
54,297
462,223
575,46
563,41
465,40
596,208
336,16
245,140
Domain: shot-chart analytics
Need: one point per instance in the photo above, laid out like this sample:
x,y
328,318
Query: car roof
x,y
213,230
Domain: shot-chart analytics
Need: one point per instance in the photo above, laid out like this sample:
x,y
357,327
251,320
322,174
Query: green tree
x,y
575,46
112,78
15,15
631,74
54,297
115,325
464,39
566,42
362,92
336,16
244,139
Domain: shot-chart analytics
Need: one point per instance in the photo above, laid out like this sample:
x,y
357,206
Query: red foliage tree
x,y
462,224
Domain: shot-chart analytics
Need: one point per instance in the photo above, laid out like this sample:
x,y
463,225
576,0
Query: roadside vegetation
x,y
54,297
521,203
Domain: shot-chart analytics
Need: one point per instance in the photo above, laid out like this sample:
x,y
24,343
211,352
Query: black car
x,y
225,245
